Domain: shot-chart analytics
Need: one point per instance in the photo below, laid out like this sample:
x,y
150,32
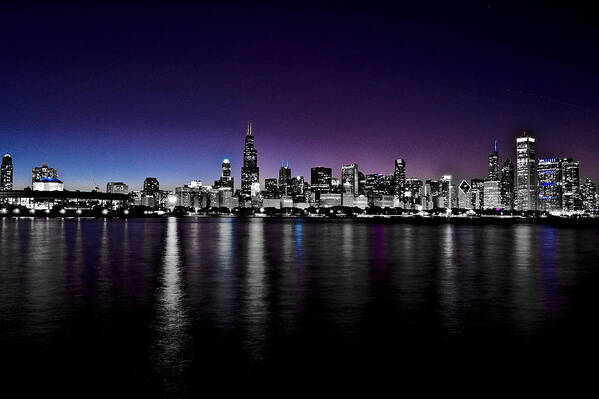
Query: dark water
x,y
169,307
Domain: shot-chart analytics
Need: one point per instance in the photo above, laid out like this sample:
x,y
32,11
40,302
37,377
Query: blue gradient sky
x,y
165,91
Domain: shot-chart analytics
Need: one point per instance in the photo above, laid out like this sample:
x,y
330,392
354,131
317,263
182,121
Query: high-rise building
x,y
445,192
349,174
570,185
492,196
507,184
477,193
39,172
465,195
526,186
433,191
493,164
589,196
399,177
549,175
250,173
296,187
117,188
271,188
320,179
6,173
225,180
412,193
151,186
284,178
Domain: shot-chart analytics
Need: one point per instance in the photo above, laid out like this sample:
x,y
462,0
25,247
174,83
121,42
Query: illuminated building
x,y
328,200
347,198
464,195
432,190
250,173
48,184
39,172
445,199
526,185
271,188
349,174
493,164
117,188
492,195
226,180
6,173
589,196
549,176
184,196
507,184
296,187
412,193
284,179
399,177
570,185
320,179
151,186
477,193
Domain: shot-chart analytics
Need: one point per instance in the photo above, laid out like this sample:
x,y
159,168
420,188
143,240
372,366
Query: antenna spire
x,y
248,132
495,145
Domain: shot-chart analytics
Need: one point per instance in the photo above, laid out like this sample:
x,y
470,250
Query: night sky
x,y
166,91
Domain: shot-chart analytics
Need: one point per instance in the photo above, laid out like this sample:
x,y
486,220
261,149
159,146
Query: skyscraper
x,y
445,191
6,173
589,195
507,184
549,172
570,185
151,186
526,173
39,172
284,179
320,179
399,177
271,188
493,164
349,174
226,180
250,173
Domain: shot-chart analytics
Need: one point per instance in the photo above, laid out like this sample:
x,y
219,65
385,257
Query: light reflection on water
x,y
171,298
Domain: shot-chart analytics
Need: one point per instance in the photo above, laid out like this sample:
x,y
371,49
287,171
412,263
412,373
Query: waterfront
x,y
165,305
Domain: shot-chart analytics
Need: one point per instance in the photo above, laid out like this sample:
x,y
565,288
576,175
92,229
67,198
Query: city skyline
x,y
498,159
329,88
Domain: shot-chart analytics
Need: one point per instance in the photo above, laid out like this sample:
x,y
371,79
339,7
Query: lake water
x,y
167,307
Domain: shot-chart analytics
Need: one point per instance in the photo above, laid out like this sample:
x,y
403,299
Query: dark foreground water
x,y
168,307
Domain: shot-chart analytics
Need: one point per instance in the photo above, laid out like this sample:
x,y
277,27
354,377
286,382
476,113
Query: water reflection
x,y
172,346
255,311
448,280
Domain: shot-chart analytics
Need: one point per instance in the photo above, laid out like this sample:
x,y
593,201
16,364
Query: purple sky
x,y
136,91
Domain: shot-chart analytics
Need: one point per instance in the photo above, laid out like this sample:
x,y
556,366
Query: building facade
x,y
526,186
117,188
571,200
399,177
349,174
549,176
507,184
39,172
6,173
250,173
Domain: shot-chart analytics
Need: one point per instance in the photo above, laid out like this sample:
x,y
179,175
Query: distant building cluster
x,y
549,184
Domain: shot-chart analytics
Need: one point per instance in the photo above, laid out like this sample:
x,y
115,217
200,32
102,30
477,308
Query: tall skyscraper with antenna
x,y
493,164
250,173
